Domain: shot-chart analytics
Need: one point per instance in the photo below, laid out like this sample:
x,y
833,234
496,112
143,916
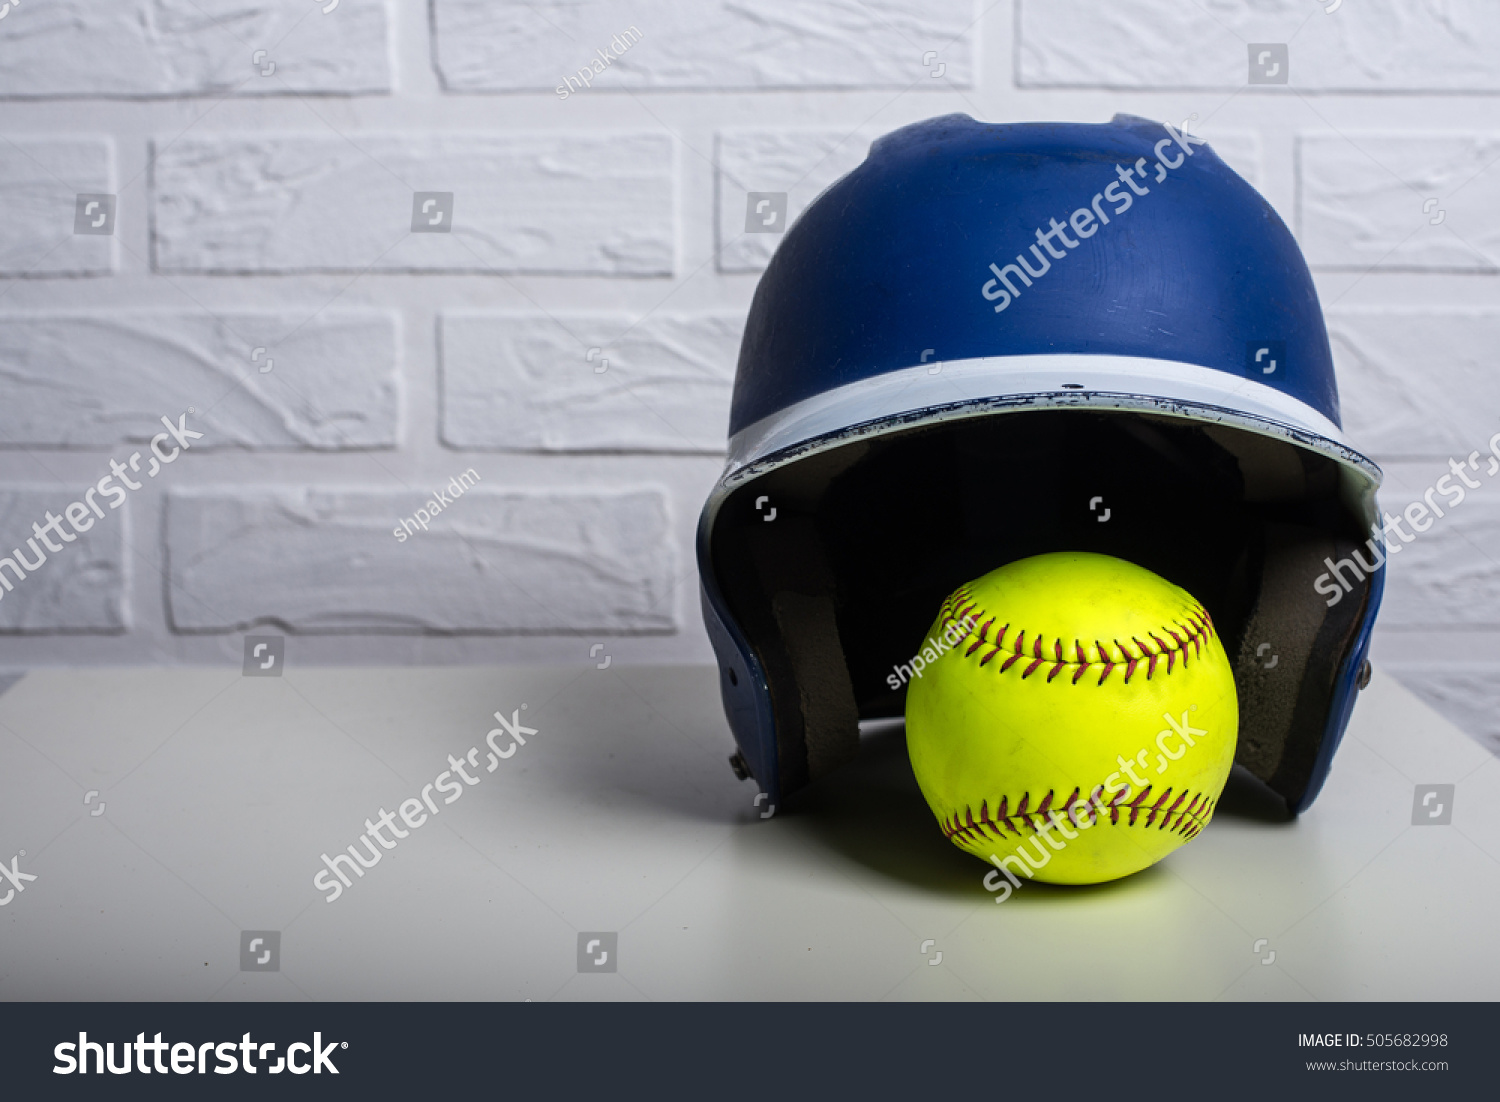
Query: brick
x,y
539,202
1393,202
102,379
1449,575
194,47
41,180
1373,45
801,163
508,45
494,561
1401,373
81,587
529,383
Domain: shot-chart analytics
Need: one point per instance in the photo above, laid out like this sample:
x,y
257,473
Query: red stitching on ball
x,y
1165,819
1187,821
1156,807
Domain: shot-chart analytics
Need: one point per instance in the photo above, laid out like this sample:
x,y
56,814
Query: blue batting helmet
x,y
991,341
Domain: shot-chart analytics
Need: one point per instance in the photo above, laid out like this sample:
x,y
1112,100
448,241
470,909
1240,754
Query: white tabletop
x,y
621,816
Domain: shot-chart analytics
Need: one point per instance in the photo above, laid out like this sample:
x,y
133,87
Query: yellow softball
x,y
1072,718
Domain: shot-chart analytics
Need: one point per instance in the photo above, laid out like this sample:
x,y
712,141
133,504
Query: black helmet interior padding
x,y
869,537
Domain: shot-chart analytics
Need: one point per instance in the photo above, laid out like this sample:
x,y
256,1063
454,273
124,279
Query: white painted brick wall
x,y
1418,382
86,380
598,204
275,211
507,563
81,586
1418,202
513,45
531,383
1448,577
186,47
40,180
1364,46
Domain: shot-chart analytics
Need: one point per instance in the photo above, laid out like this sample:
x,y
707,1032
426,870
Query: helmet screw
x,y
738,764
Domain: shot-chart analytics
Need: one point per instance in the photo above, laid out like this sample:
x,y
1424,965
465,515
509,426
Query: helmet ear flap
x,y
782,596
828,714
1288,664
